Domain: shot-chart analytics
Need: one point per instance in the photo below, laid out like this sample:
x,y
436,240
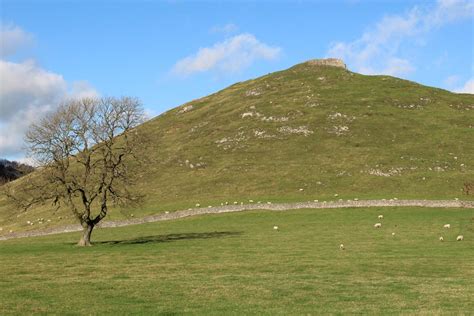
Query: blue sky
x,y
170,52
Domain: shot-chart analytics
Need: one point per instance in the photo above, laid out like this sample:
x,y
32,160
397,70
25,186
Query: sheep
x,y
447,226
378,225
275,227
341,246
380,216
441,238
198,205
460,238
167,212
393,234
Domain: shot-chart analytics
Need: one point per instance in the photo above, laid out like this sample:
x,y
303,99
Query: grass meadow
x,y
237,264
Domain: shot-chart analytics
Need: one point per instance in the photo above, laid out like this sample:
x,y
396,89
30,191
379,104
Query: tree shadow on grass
x,y
167,238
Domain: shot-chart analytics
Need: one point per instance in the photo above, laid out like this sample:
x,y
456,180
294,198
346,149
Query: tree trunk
x,y
86,235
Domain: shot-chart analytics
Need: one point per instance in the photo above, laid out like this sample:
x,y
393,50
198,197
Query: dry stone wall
x,y
240,208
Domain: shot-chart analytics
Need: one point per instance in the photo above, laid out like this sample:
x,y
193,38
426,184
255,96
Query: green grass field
x,y
238,264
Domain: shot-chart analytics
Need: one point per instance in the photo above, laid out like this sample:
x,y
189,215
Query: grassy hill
x,y
308,132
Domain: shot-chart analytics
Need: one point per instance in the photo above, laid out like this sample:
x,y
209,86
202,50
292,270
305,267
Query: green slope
x,y
308,132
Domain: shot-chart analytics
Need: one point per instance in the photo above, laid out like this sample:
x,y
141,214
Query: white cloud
x,y
467,88
229,56
12,38
227,29
377,50
27,92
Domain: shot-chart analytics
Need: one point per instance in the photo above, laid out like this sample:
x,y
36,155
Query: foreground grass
x,y
236,263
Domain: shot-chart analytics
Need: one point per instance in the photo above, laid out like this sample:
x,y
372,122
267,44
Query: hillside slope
x,y
308,132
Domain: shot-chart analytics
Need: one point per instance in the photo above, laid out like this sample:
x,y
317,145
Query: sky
x,y
169,52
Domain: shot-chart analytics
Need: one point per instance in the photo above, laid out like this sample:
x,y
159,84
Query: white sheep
x,y
275,227
460,238
378,225
380,216
198,205
447,226
441,238
341,246
393,234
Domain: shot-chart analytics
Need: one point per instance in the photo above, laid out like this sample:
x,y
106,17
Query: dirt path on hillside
x,y
247,207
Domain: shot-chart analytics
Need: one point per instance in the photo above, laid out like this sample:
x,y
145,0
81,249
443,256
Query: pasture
x,y
238,264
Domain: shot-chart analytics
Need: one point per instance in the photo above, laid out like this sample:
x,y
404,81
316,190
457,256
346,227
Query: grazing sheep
x,y
341,246
380,216
441,238
167,212
197,204
275,227
447,226
460,238
378,225
393,234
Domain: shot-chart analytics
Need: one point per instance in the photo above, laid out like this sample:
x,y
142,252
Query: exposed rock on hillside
x,y
328,62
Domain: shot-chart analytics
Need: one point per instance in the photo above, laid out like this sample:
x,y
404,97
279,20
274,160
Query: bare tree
x,y
84,150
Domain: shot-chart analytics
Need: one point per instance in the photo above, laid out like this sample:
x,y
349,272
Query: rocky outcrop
x,y
328,62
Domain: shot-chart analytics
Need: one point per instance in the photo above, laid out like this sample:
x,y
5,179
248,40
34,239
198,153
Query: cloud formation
x,y
377,50
12,38
28,92
467,88
230,56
